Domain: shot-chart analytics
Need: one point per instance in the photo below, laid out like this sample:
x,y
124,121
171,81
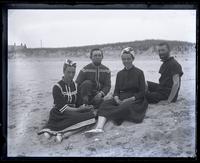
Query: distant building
x,y
13,48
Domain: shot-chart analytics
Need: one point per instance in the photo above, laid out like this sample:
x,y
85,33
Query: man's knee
x,y
84,90
85,87
152,87
154,97
86,83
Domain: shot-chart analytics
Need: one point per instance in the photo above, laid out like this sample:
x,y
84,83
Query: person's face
x,y
96,57
69,73
127,60
163,52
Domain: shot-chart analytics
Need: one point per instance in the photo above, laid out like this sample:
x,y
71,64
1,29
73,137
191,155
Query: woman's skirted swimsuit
x,y
61,119
129,83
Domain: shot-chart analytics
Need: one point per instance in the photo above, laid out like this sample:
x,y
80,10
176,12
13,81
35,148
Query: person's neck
x,y
128,68
66,81
167,59
96,64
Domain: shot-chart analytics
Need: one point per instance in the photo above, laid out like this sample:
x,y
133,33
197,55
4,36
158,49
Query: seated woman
x,y
65,116
128,102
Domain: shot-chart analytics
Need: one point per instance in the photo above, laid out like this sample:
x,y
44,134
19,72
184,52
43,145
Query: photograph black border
x,y
115,5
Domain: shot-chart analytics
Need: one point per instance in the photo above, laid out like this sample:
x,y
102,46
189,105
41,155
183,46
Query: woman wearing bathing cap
x,y
128,102
66,116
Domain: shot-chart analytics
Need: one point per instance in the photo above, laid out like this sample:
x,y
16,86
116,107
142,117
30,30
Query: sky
x,y
65,28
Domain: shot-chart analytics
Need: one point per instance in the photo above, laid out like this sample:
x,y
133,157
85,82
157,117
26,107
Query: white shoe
x,y
59,138
47,135
93,132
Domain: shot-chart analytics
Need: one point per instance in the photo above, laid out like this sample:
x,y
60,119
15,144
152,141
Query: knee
x,y
86,83
153,97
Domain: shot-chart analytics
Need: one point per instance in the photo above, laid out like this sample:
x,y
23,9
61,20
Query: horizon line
x,y
100,44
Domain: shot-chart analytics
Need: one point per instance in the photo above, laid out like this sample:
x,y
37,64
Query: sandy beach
x,y
167,130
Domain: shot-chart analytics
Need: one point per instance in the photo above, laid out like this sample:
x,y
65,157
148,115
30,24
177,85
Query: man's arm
x,y
175,87
107,84
116,90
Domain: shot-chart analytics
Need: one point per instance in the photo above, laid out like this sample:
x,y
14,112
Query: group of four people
x,y
79,104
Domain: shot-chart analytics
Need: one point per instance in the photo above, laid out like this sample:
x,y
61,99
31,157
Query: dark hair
x,y
164,44
96,49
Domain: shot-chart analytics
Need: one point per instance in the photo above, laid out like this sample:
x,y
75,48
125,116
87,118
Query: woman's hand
x,y
117,100
85,107
131,99
82,107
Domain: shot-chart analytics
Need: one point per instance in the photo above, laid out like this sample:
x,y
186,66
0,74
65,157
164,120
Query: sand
x,y
167,130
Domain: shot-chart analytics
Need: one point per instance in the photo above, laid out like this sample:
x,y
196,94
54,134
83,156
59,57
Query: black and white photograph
x,y
101,83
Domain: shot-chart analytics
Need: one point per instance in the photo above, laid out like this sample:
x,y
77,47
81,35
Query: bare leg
x,y
59,137
98,129
47,135
101,122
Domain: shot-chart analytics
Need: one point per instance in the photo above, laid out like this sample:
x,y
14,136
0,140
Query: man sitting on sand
x,y
170,80
94,80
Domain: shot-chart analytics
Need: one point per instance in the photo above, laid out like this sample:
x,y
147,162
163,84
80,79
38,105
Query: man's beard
x,y
164,58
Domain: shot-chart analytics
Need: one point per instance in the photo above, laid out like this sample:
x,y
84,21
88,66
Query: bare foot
x,y
59,138
47,135
93,132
